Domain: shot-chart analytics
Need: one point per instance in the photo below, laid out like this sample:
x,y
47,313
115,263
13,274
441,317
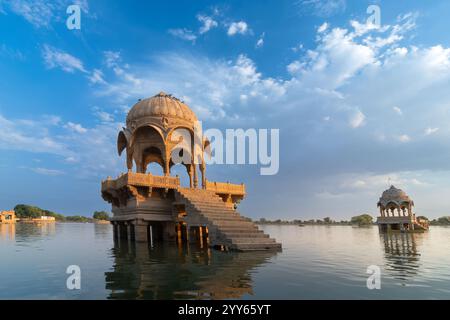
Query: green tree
x,y
362,220
78,219
101,215
24,211
327,220
444,221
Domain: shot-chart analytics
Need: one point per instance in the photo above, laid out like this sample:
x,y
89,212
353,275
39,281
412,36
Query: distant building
x,y
396,213
44,219
7,217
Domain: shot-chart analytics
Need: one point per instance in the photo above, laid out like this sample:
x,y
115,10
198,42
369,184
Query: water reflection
x,y
24,232
402,254
102,231
7,232
171,272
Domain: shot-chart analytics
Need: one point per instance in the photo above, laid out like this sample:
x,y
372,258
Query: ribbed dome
x,y
395,195
162,105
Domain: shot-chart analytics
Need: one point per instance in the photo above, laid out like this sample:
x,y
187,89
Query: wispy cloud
x,y
29,135
357,120
322,8
260,42
55,58
48,172
183,34
41,13
76,127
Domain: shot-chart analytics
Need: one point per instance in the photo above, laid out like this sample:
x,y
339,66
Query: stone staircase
x,y
226,226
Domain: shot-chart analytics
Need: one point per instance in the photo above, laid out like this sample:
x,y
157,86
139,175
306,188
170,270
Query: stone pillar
x,y
179,233
187,233
122,231
195,176
167,164
169,231
115,230
130,231
203,171
140,231
191,178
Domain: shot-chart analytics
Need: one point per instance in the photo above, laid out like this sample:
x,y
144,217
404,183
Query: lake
x,y
317,262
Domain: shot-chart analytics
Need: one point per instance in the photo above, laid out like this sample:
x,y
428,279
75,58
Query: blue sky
x,y
355,105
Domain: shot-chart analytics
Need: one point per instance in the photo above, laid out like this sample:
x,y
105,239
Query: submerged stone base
x,y
401,224
145,211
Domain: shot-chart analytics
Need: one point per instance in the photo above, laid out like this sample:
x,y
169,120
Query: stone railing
x,y
225,188
141,180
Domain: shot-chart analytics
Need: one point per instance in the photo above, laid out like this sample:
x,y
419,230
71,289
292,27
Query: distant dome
x,y
162,109
394,195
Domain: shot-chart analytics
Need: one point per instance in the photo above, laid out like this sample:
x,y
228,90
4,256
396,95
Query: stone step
x,y
252,240
215,211
256,246
225,219
232,230
225,229
227,223
235,235
215,207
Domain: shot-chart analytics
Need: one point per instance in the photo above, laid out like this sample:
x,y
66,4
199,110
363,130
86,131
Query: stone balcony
x,y
131,184
141,180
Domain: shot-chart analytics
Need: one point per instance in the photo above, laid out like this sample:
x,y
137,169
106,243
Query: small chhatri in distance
x,y
147,208
396,213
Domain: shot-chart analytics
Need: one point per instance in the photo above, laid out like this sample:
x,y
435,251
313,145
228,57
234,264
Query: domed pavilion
x,y
396,212
148,208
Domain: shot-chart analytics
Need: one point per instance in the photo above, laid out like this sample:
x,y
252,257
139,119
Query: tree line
x,y
24,211
361,220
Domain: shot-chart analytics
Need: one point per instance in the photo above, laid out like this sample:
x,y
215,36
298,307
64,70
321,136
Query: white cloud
x,y
39,13
55,58
398,110
111,58
208,23
357,120
323,27
240,27
96,76
404,138
260,42
30,136
183,34
294,67
102,115
76,127
430,131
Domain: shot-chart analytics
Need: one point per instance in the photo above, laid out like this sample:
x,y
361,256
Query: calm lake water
x,y
317,262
